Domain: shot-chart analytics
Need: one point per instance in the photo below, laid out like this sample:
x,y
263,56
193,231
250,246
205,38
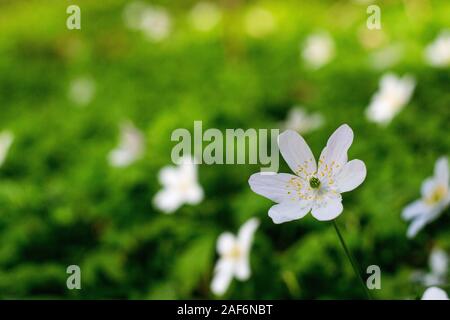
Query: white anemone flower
x,y
435,199
130,148
205,16
259,22
300,120
394,94
234,252
6,140
155,22
180,186
437,54
313,188
434,293
82,90
438,262
318,50
438,265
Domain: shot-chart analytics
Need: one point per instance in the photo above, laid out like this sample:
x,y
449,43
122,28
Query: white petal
x,y
119,158
168,176
223,274
225,243
279,187
242,268
431,279
434,293
297,153
334,155
416,225
188,168
289,211
438,262
415,209
428,187
167,201
351,176
194,194
246,232
328,208
441,171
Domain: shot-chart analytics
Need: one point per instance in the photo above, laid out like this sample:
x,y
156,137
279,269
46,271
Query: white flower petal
x,y
416,225
438,262
415,209
188,168
428,187
394,93
437,53
181,184
441,171
434,293
246,232
223,274
120,158
328,208
319,49
242,268
297,153
130,148
334,155
351,176
167,201
194,194
168,176
225,243
279,187
289,211
301,121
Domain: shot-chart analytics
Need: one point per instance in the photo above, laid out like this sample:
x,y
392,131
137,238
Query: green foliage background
x,y
62,204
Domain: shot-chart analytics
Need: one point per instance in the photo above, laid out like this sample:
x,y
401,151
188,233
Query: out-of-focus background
x,y
69,194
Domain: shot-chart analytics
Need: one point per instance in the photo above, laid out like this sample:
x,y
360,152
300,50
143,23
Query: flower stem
x,y
352,261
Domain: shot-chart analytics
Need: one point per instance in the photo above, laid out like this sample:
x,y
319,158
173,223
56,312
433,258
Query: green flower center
x,y
314,183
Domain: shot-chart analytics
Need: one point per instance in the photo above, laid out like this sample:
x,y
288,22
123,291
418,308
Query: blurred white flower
x,y
394,93
6,140
318,50
387,57
438,264
156,23
81,91
437,53
234,252
180,185
204,16
299,120
434,293
312,189
153,21
435,198
259,22
130,148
